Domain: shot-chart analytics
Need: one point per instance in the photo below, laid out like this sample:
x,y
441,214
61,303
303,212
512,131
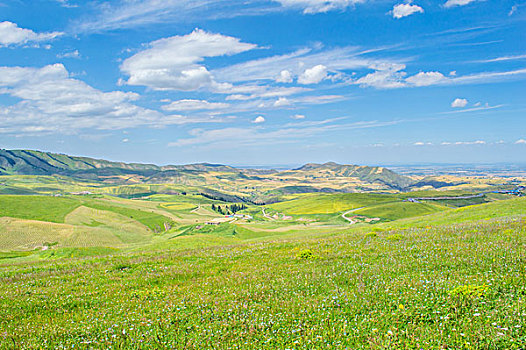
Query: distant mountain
x,y
27,162
364,173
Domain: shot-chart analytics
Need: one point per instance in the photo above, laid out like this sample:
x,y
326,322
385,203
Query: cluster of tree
x,y
228,209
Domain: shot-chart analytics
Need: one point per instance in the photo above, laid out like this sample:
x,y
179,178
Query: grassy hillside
x,y
42,208
488,211
399,210
459,286
329,203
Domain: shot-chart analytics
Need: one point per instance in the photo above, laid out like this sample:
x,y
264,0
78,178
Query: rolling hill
x,y
308,178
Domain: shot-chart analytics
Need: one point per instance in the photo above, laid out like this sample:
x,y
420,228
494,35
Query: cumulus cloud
x,y
259,120
11,34
281,102
54,102
520,142
318,6
285,76
404,10
426,78
194,105
452,3
459,103
175,63
313,75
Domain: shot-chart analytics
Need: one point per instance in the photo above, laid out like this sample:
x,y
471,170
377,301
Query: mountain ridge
x,y
32,162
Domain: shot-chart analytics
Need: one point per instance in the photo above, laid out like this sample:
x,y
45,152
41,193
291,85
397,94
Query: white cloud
x,y
285,76
504,58
459,103
298,116
54,102
419,144
121,14
487,77
11,34
520,142
125,140
69,54
268,68
194,105
174,63
258,136
467,143
65,3
318,6
259,120
404,10
281,102
313,75
452,3
485,107
426,78
386,76
392,75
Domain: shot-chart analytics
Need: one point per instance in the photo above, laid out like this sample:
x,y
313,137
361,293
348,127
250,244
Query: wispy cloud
x,y
474,109
255,136
318,6
503,59
454,3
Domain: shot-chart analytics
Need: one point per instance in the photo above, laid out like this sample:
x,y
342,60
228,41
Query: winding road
x,y
351,221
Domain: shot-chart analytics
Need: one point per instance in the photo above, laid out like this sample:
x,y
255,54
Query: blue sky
x,y
266,82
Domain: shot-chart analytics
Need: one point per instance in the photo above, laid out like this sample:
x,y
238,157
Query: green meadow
x,y
110,270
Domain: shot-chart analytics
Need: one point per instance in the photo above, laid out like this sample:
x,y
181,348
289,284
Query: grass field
x,y
454,286
104,272
329,203
400,210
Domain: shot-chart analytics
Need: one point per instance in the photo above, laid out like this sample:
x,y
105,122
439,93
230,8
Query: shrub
x,y
306,254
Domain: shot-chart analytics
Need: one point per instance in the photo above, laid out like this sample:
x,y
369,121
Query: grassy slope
x,y
329,203
511,207
403,290
399,210
52,209
55,209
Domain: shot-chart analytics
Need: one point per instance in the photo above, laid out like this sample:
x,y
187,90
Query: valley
x,y
268,258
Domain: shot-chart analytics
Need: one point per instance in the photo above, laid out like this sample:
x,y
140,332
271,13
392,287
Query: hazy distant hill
x,y
364,173
27,162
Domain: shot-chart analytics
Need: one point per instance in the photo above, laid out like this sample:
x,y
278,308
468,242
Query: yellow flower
x,y
401,306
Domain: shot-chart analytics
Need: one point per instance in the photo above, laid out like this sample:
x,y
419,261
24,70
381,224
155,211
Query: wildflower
x,y
401,306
